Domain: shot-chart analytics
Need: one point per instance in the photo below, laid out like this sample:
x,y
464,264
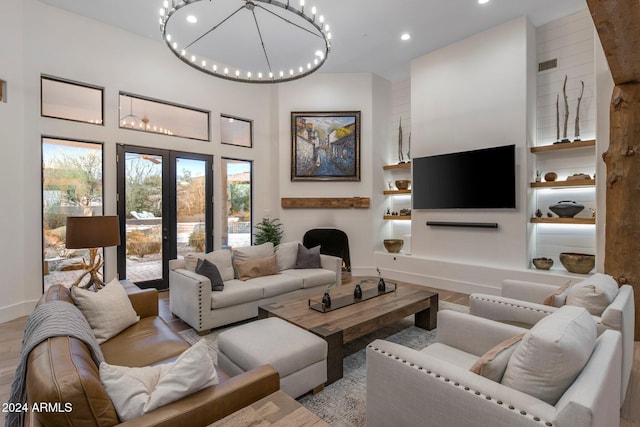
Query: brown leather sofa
x,y
61,370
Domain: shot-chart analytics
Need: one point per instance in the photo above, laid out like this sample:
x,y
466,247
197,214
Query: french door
x,y
165,205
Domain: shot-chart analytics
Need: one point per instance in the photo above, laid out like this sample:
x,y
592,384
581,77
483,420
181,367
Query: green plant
x,y
268,230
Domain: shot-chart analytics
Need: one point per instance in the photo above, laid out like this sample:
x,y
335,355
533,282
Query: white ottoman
x,y
299,356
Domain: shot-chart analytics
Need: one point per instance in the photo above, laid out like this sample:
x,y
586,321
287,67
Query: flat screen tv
x,y
477,179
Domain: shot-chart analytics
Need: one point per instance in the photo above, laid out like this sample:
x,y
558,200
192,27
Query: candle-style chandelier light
x,y
251,41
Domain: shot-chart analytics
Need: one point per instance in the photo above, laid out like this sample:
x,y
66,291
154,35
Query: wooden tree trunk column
x,y
622,245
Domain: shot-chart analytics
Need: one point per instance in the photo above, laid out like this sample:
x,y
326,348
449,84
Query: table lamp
x,y
92,232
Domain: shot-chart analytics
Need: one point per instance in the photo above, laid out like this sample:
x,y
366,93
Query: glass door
x,y
163,209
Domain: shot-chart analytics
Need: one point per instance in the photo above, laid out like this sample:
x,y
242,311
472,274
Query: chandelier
x,y
251,41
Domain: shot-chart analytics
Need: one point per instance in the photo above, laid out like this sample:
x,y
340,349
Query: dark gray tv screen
x,y
477,179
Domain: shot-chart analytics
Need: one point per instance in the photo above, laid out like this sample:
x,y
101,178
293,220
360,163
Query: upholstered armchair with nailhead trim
x,y
524,303
436,387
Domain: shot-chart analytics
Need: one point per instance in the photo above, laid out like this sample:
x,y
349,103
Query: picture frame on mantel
x,y
325,146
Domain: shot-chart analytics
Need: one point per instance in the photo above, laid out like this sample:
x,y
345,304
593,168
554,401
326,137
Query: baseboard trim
x,y
15,311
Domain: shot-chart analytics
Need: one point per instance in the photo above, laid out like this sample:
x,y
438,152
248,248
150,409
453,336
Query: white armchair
x,y
521,303
434,386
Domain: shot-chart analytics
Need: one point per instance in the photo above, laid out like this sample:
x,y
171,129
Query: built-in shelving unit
x,y
564,234
392,192
397,167
397,217
569,183
555,220
563,146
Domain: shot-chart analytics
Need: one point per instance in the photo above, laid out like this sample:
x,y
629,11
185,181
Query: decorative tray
x,y
346,300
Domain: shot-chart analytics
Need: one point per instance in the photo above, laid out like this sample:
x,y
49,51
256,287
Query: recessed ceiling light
x,y
483,1
405,36
192,19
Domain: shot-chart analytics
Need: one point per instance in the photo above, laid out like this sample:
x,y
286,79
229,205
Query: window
x,y
71,186
237,186
147,115
236,131
62,99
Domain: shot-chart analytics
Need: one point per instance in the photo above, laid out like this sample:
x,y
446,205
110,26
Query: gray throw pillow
x,y
209,269
308,258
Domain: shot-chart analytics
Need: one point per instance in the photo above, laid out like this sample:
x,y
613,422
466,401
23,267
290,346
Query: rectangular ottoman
x,y
299,356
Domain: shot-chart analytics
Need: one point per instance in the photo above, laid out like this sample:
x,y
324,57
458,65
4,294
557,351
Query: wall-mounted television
x,y
477,179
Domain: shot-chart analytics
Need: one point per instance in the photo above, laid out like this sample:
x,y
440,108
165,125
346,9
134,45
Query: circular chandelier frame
x,y
172,6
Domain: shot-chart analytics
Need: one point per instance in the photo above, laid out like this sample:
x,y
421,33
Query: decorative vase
x,y
550,176
393,245
326,300
403,184
357,292
566,208
543,263
381,285
578,263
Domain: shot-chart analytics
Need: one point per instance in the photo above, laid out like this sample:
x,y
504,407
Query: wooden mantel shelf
x,y
325,202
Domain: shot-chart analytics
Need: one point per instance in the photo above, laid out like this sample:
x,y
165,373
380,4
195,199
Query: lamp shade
x,y
92,232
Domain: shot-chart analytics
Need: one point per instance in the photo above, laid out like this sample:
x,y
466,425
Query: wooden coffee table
x,y
346,324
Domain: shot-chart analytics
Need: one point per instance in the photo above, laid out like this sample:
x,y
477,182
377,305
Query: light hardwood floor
x,y
11,342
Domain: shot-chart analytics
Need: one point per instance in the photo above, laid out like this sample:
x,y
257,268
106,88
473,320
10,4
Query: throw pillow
x,y
108,311
494,362
595,293
308,258
209,270
552,354
286,255
257,267
558,297
248,252
191,260
136,391
222,259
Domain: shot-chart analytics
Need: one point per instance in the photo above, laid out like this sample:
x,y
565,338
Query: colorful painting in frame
x,y
325,146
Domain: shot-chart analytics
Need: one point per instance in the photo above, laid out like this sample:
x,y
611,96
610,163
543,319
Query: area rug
x,y
342,404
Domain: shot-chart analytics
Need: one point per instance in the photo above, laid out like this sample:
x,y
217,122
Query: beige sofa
x,y
192,299
435,386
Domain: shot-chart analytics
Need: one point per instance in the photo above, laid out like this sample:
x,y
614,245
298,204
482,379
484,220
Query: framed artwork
x,y
325,146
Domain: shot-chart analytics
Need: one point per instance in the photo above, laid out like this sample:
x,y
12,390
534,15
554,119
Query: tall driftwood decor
x,y
557,118
400,156
617,26
577,130
566,110
409,148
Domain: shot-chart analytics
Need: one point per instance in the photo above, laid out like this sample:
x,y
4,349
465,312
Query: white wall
x,y
479,92
469,95
55,42
13,250
337,92
570,40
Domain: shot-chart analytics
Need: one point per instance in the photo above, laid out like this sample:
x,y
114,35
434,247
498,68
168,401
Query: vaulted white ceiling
x,y
366,33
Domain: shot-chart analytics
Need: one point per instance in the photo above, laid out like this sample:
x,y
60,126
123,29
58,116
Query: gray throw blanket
x,y
51,319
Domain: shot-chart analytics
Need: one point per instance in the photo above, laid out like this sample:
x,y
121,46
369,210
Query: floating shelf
x,y
398,166
325,202
563,146
388,192
570,183
556,220
405,217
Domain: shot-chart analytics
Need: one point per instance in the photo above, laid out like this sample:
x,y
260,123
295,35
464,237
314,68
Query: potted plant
x,y
268,230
